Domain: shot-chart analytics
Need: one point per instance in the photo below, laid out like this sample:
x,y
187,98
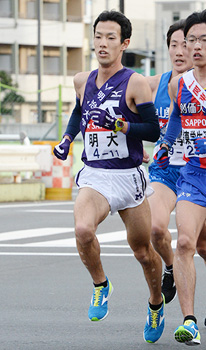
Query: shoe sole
x,y
193,342
183,336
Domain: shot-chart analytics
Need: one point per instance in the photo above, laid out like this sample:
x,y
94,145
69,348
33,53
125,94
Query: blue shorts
x,y
191,185
167,177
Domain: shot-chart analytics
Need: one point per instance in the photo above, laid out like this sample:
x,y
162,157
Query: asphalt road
x,y
45,290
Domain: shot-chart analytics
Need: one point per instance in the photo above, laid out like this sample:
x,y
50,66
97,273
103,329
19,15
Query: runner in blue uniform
x,y
116,115
164,180
189,114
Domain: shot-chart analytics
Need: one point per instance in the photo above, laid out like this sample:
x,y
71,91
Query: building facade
x,y
43,43
45,36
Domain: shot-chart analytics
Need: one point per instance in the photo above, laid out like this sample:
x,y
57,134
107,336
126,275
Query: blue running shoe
x,y
155,324
188,333
98,309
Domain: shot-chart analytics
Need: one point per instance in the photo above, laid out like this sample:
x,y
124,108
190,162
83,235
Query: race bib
x,y
102,144
193,127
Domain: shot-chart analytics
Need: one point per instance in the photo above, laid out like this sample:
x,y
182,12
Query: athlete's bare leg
x,y
162,202
90,209
190,219
201,243
138,225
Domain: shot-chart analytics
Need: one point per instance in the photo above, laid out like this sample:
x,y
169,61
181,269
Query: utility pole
x,y
39,59
121,9
121,6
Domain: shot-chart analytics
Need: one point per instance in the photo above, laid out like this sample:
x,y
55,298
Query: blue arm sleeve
x,y
149,129
174,126
73,126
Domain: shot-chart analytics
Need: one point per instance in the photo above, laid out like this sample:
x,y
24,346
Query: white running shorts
x,y
123,188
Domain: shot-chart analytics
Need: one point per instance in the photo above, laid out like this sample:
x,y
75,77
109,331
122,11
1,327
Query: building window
x,y
31,9
74,60
27,60
51,10
5,62
32,64
51,61
176,16
28,9
5,8
6,58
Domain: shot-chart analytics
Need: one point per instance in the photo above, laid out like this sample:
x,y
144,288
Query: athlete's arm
x,y
73,126
139,100
174,126
153,82
61,150
149,129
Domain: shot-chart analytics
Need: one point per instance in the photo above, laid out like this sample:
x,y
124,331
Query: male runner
x,y
164,180
116,115
189,113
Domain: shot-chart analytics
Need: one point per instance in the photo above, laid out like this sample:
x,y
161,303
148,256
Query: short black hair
x,y
179,25
194,18
118,17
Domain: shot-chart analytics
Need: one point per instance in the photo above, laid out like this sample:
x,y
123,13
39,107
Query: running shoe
x,y
168,287
155,324
98,309
188,333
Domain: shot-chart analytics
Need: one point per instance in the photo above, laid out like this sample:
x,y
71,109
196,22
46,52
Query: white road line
x,y
37,232
65,254
44,204
71,242
58,254
117,236
50,211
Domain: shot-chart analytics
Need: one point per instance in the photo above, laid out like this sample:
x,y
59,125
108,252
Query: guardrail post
x,y
60,113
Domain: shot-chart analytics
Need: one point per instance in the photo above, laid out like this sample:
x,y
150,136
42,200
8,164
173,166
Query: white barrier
x,y
21,158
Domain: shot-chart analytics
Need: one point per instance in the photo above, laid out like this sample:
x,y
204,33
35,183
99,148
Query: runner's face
x,y
107,43
197,50
178,52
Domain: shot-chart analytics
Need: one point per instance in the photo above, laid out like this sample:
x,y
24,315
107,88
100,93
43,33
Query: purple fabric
x,y
62,149
115,88
103,118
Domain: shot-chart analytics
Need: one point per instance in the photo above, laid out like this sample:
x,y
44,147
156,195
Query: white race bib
x,y
102,144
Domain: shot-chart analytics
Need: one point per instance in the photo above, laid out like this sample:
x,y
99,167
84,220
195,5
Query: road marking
x,y
44,204
66,254
67,211
36,232
57,254
117,236
71,242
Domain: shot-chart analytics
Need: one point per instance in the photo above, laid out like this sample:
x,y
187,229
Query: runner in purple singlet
x,y
117,113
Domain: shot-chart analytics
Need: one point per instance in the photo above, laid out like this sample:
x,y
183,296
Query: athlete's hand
x,y
62,149
102,118
200,145
146,157
161,158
